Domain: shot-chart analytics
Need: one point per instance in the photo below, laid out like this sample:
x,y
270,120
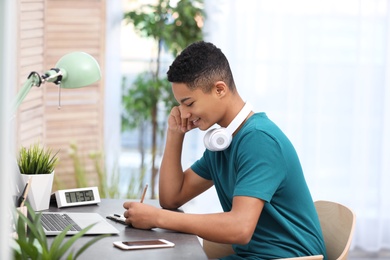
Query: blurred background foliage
x,y
172,25
146,100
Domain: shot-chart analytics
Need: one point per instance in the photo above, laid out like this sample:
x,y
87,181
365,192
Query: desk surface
x,y
186,246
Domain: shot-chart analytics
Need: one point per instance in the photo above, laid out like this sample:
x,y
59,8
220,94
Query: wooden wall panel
x,y
49,29
73,25
30,116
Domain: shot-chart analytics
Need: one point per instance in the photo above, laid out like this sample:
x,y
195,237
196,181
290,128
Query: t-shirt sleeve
x,y
200,167
261,167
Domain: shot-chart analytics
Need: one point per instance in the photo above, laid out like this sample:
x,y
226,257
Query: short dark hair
x,y
201,64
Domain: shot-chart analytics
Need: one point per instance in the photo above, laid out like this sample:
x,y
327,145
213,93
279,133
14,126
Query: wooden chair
x,y
337,224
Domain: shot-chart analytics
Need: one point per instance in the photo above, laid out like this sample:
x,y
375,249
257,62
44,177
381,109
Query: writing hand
x,y
140,215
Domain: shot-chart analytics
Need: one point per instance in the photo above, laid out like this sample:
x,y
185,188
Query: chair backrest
x,y
337,224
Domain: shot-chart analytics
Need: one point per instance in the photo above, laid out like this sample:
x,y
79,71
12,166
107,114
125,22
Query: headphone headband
x,y
219,139
244,112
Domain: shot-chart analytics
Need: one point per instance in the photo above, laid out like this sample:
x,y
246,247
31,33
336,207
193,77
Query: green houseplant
x,y
36,160
36,165
30,241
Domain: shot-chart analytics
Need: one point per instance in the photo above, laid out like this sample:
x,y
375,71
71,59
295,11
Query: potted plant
x,y
30,241
36,165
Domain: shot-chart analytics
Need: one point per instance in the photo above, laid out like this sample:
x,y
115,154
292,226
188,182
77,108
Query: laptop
x,y
54,223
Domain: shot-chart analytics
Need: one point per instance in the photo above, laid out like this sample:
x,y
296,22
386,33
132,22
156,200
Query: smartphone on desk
x,y
143,244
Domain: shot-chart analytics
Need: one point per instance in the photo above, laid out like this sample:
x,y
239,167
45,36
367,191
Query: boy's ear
x,y
220,88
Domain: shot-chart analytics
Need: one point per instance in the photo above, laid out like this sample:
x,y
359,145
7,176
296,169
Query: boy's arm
x,y
233,227
175,186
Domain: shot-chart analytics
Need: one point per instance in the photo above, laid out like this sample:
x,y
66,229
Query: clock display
x,y
79,196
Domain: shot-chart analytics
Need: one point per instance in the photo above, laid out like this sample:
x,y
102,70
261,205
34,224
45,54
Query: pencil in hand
x,y
144,193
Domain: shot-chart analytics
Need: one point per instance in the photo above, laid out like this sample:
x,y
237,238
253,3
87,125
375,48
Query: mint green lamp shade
x,y
78,69
74,70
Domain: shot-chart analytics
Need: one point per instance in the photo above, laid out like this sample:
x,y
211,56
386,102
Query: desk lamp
x,y
74,70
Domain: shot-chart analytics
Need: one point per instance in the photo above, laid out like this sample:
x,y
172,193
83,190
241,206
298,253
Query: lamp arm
x,y
33,80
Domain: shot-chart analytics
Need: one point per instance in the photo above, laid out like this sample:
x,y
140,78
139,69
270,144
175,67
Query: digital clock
x,y
77,197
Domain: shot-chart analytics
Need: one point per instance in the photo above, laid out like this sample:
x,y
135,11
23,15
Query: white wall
x,y
7,78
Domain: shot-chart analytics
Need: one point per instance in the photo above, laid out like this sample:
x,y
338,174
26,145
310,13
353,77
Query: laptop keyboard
x,y
58,222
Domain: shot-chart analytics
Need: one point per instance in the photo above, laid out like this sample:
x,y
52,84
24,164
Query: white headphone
x,y
218,139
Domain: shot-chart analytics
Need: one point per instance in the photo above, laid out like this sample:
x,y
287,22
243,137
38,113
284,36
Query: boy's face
x,y
202,109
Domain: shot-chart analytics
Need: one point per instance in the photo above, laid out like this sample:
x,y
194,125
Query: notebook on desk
x,y
55,222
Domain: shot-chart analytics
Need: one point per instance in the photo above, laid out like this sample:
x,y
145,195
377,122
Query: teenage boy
x,y
268,209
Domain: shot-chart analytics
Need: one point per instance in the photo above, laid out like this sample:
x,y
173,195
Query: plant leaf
x,y
54,251
85,247
62,250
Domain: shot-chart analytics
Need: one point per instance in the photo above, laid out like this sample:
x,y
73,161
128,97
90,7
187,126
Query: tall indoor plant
x,y
36,165
173,27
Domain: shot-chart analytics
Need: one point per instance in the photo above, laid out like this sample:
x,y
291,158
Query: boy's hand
x,y
179,122
140,215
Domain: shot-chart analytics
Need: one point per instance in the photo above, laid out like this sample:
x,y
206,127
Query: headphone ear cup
x,y
206,139
217,139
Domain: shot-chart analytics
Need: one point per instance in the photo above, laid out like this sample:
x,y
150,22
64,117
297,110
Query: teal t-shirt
x,y
261,162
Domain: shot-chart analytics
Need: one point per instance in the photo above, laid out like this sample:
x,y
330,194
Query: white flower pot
x,y
40,190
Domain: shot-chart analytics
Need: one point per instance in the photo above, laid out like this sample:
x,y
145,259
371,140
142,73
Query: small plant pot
x,y
40,190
